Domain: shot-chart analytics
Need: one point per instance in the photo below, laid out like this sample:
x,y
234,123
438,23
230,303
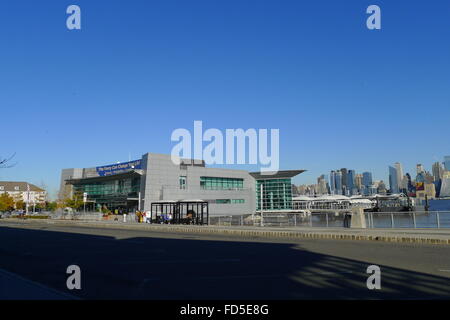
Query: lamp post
x,y
27,199
262,223
84,201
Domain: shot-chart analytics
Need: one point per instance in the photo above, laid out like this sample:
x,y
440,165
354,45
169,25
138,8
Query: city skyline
x,y
351,182
132,75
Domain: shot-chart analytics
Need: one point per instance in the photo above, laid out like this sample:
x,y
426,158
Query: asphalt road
x,y
140,264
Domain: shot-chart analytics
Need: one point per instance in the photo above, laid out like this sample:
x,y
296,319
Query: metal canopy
x,y
276,174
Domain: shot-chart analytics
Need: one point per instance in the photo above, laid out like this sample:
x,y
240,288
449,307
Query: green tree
x,y
76,202
51,206
20,205
6,202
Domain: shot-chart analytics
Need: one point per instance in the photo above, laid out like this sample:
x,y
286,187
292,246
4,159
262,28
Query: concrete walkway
x,y
431,236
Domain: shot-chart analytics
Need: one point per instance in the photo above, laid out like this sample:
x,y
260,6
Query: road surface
x,y
142,264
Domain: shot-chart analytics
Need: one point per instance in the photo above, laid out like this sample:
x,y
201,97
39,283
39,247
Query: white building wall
x,y
161,182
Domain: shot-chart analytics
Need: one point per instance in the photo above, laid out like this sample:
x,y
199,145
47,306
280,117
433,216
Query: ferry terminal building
x,y
135,185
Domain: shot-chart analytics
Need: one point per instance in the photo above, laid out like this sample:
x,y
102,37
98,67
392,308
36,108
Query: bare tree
x,y
6,162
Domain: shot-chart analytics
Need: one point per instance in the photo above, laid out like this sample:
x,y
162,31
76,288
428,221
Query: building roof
x,y
276,174
14,186
325,197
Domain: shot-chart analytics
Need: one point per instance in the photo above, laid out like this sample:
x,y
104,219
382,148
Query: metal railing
x,y
411,220
396,220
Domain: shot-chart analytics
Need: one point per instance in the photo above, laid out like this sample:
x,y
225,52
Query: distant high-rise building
x,y
338,182
437,170
428,177
445,186
322,185
447,163
399,169
393,180
410,185
351,181
333,182
403,184
358,181
381,187
428,191
420,177
367,179
420,168
344,172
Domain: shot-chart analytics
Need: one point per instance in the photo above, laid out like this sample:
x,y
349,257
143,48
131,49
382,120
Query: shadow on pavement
x,y
186,268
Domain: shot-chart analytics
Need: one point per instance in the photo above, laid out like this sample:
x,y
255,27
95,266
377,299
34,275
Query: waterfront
x,y
413,219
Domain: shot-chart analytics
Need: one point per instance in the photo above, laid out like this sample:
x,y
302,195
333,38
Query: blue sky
x,y
341,95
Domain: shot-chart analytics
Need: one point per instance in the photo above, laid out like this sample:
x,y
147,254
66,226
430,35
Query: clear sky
x,y
341,95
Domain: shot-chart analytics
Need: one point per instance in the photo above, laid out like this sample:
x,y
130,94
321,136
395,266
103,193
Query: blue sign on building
x,y
118,168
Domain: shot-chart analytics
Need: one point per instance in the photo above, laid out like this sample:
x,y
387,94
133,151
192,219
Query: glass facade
x,y
276,194
226,201
111,193
215,183
183,182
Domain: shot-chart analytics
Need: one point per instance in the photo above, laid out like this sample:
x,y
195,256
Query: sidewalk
x,y
431,236
14,287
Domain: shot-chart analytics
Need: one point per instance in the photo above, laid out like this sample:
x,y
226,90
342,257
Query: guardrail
x,y
396,220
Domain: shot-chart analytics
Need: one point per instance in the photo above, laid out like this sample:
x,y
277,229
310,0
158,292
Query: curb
x,y
249,232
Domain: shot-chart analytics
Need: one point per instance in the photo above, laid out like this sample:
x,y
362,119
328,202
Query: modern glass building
x,y
351,181
274,192
333,182
367,179
113,191
393,180
338,182
135,185
447,163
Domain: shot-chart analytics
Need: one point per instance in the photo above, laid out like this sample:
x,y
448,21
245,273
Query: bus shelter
x,y
180,212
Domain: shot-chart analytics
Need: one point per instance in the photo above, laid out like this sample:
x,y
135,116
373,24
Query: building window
x,y
223,201
276,194
183,182
237,201
216,183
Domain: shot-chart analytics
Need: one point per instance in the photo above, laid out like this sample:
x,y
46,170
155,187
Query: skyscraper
x,y
399,169
438,171
393,180
338,182
350,181
410,185
367,179
322,185
445,188
333,182
381,187
447,163
344,177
